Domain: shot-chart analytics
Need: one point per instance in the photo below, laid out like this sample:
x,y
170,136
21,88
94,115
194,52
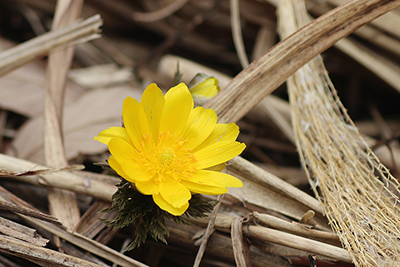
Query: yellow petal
x,y
177,107
194,114
217,168
117,167
218,153
201,127
174,192
164,205
106,135
135,121
148,187
124,154
213,91
208,88
222,132
217,179
153,103
204,189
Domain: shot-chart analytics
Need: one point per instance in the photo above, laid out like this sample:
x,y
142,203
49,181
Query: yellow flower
x,y
169,149
203,88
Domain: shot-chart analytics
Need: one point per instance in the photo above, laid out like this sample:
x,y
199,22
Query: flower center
x,y
165,157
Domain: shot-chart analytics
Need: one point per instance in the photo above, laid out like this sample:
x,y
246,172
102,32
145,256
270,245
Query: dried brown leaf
x,y
28,81
93,112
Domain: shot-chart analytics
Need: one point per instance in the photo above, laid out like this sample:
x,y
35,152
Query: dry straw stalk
x,y
264,75
78,32
62,203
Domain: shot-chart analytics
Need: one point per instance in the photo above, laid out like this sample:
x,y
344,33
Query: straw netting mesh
x,y
359,193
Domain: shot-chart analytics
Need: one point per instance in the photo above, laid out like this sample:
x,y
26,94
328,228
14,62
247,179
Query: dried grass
x,y
268,222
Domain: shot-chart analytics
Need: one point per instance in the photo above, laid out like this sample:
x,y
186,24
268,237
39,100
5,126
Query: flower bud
x,y
203,88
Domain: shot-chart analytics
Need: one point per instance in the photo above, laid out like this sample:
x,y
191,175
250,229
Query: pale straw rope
x,y
360,195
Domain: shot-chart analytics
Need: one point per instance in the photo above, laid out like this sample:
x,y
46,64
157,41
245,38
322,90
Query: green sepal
x,y
178,75
149,219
